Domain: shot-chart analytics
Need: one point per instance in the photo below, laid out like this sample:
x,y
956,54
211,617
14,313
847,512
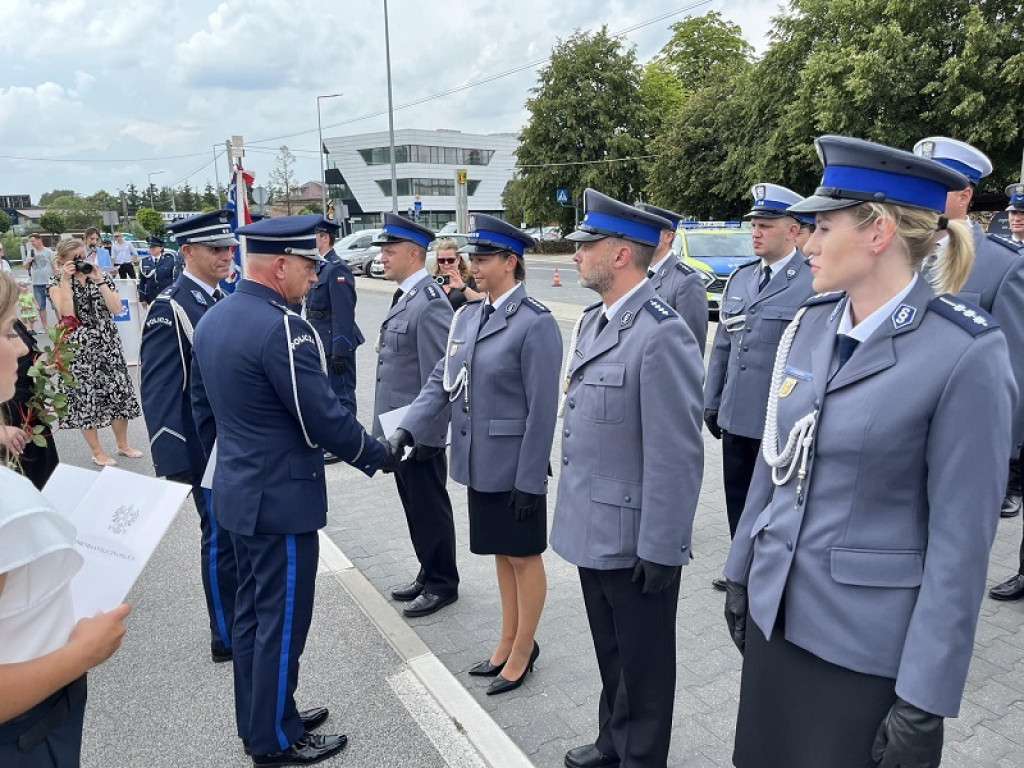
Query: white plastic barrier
x,y
129,321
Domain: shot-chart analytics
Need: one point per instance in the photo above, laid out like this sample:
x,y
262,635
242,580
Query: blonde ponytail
x,y
957,259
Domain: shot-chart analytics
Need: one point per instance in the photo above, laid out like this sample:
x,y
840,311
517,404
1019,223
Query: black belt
x,y
317,314
48,714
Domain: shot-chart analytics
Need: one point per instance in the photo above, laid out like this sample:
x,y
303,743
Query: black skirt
x,y
494,530
800,711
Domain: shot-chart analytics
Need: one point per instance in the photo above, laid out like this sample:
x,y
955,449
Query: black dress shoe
x,y
589,756
503,685
311,720
486,669
1011,506
1011,589
718,584
310,748
426,604
409,592
220,655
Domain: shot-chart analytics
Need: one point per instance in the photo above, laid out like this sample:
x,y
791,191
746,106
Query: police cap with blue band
x,y
398,229
858,171
958,155
772,201
289,235
212,229
489,234
1016,194
154,242
671,217
328,226
607,217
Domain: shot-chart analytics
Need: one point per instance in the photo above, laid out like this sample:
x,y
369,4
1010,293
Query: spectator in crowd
x,y
39,264
5,265
459,285
98,255
28,309
124,257
102,394
44,654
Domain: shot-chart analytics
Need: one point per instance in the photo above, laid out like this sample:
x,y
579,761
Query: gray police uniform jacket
x,y
882,553
411,342
632,453
740,363
503,413
996,284
681,287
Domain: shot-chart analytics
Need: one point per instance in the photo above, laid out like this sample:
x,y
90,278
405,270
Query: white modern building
x,y
359,173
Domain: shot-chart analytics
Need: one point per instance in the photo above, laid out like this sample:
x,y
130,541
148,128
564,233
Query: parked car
x,y
357,250
716,248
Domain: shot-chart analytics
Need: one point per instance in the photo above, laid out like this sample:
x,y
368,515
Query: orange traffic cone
x,y
557,282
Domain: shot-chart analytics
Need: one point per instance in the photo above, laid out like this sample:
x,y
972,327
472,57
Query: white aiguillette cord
x,y
797,450
461,383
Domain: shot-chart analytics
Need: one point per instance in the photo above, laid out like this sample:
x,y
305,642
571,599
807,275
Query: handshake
x,y
396,445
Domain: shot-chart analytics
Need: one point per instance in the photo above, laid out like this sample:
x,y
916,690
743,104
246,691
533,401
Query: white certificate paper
x,y
120,518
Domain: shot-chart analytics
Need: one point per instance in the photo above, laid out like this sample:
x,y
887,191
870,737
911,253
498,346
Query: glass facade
x,y
426,187
417,153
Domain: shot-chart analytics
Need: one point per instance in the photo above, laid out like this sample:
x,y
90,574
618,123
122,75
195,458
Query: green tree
x,y
46,197
150,219
188,200
514,203
282,178
5,222
53,222
78,212
704,49
209,198
586,124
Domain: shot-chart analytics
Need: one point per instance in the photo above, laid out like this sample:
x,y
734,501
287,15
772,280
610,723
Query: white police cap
x,y
958,155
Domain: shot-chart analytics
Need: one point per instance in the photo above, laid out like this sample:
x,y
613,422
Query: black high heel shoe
x,y
504,685
486,669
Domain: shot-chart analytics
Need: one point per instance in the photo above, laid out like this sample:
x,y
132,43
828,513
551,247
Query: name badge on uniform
x,y
788,385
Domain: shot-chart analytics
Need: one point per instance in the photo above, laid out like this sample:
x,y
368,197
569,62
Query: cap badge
x,y
927,149
760,192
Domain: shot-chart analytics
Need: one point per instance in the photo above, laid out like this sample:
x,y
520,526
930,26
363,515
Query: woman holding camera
x,y
455,281
102,393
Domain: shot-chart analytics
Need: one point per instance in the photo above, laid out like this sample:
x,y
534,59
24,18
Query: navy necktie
x,y
488,311
651,273
602,321
396,297
846,346
766,276
218,294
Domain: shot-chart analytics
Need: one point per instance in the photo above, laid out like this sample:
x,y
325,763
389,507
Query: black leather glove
x,y
711,422
656,576
390,463
526,504
398,442
337,364
736,612
422,452
908,738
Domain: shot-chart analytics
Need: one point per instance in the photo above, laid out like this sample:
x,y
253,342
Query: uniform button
x,y
789,545
566,433
565,459
580,377
315,474
378,379
463,431
601,377
746,349
743,367
749,330
753,311
572,403
629,499
465,409
816,402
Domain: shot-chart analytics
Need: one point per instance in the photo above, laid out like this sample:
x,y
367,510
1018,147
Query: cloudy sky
x,y
96,94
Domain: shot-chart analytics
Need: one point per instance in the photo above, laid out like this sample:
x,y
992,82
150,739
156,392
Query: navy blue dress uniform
x,y
499,381
995,283
166,365
679,284
632,461
265,395
864,543
157,275
331,310
411,341
753,316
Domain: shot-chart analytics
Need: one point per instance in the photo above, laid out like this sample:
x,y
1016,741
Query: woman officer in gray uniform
x,y
500,377
857,571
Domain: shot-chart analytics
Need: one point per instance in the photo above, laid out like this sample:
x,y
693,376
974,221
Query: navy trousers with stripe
x,y
273,610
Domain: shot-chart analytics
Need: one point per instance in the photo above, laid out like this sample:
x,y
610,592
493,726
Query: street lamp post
x,y
391,114
320,152
150,176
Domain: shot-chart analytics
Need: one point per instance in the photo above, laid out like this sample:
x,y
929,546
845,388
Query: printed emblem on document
x,y
124,517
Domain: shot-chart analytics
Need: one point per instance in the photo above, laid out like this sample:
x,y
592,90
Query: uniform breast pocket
x,y
396,337
773,322
733,306
308,466
603,397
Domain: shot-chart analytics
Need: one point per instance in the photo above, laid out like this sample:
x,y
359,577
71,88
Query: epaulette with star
x,y
659,309
970,317
535,305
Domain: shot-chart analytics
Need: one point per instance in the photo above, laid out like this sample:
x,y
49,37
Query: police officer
x,y
331,310
679,284
806,230
1013,587
758,302
157,271
632,460
275,414
857,571
166,362
412,340
499,381
996,281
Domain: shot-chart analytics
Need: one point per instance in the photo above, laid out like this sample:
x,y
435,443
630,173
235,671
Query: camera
x,y
442,279
83,266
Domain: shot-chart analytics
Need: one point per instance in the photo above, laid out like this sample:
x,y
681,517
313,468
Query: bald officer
x,y
632,460
275,413
758,302
412,340
996,281
166,362
679,284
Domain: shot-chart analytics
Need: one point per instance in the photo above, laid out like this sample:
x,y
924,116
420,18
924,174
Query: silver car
x,y
357,250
